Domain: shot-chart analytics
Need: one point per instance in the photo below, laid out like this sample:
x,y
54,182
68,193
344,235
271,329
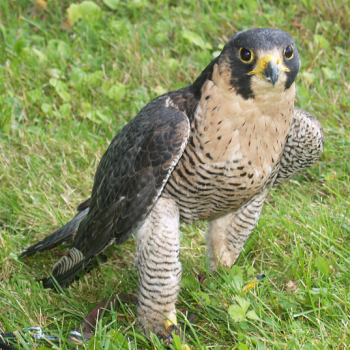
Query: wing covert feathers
x,y
304,146
130,177
137,165
84,205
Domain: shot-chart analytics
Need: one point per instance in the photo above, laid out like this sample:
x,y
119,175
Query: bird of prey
x,y
209,151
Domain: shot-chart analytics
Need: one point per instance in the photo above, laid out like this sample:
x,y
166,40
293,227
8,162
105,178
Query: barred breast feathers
x,y
233,151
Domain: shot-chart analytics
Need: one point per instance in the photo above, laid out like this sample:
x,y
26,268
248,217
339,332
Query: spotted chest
x,y
233,152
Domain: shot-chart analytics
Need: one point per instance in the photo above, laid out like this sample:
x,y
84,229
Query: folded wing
x,y
129,179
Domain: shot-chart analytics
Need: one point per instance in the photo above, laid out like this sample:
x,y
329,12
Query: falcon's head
x,y
259,60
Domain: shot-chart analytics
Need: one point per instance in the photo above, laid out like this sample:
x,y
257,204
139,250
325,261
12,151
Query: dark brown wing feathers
x,y
129,179
84,205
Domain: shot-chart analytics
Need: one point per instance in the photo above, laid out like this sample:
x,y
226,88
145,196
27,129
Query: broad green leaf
x,y
205,297
5,123
90,10
189,282
236,313
77,75
41,56
173,63
108,274
53,73
46,108
65,110
252,5
213,286
56,114
323,265
195,39
91,115
252,315
309,77
242,347
85,106
104,115
34,95
244,304
106,85
303,94
112,4
321,41
328,73
116,92
134,4
118,339
74,12
86,10
98,116
94,79
287,305
119,24
251,271
59,47
159,90
19,45
61,89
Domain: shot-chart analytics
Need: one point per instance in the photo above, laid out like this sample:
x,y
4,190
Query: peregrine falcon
x,y
209,151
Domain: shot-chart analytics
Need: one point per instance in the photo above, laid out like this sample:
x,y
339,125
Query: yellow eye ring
x,y
246,55
289,52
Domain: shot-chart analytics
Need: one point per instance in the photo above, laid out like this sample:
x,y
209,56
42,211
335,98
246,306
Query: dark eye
x,y
246,55
288,52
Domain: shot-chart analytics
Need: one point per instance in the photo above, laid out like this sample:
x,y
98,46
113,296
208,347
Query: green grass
x,y
65,91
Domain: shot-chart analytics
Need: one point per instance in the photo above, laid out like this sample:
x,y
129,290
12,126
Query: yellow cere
x,y
262,64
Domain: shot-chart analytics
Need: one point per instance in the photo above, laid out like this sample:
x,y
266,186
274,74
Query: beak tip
x,y
272,73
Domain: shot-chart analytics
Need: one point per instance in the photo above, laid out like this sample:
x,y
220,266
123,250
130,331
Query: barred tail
x,y
66,268
63,235
94,235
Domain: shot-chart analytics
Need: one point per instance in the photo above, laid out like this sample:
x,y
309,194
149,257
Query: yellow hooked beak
x,y
270,68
